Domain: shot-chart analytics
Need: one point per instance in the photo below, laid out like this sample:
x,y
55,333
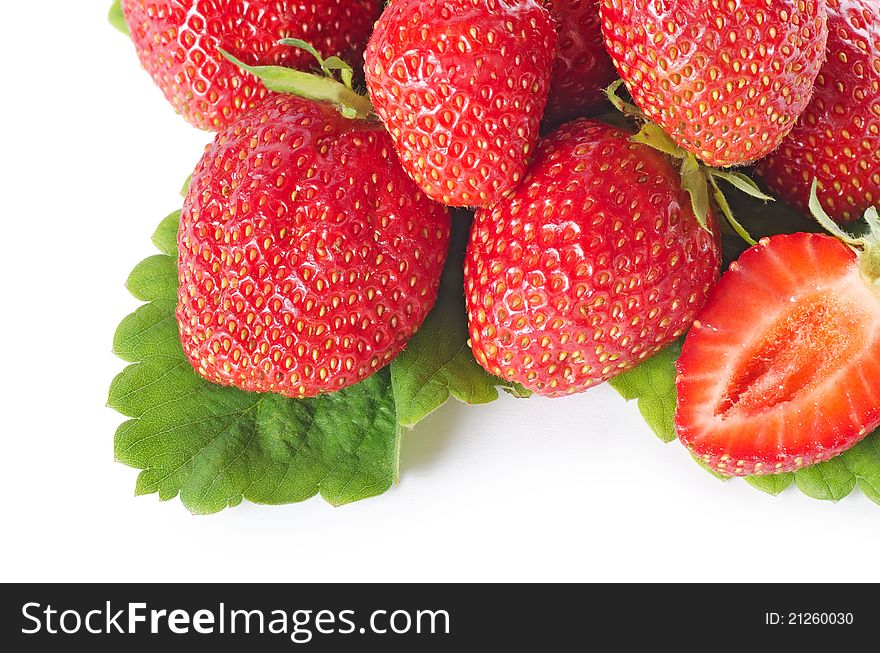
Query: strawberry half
x,y
726,80
595,263
461,86
178,44
782,367
837,139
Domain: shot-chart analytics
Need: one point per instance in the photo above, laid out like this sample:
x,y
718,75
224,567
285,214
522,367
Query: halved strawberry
x,y
782,368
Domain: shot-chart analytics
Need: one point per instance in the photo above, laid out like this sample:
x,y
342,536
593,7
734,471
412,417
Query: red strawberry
x,y
837,139
726,80
583,68
307,256
594,264
177,43
782,368
462,85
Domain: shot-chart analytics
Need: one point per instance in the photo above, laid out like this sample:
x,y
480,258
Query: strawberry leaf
x,y
165,236
438,362
117,19
742,182
653,384
772,483
694,183
215,446
863,460
311,87
829,481
653,136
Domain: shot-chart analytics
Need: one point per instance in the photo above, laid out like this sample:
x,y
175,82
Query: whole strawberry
x,y
307,256
594,264
177,42
461,86
726,80
837,139
782,367
583,68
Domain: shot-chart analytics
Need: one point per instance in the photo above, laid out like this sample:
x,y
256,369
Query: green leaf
x,y
117,19
438,362
216,446
742,182
693,180
346,72
153,279
624,107
762,219
304,45
771,483
149,332
165,236
863,461
829,481
514,389
308,86
825,220
653,384
729,215
653,136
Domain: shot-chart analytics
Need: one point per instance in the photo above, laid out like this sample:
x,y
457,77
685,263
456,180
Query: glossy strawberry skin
x,y
461,86
583,69
837,139
726,80
782,367
307,256
594,264
177,41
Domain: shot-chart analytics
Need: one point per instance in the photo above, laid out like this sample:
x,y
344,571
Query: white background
x,y
576,489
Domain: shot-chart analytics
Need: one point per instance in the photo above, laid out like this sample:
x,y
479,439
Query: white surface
x,y
576,489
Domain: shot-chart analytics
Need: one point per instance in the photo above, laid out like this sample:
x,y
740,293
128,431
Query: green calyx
x,y
320,88
696,178
867,247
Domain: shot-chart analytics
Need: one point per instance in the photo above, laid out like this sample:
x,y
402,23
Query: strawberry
x,y
726,80
594,264
461,86
307,256
177,42
782,367
583,68
837,139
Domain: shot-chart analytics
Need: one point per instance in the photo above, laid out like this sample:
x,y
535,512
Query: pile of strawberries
x,y
316,226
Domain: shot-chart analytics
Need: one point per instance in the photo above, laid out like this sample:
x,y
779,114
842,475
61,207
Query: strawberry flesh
x,y
782,367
